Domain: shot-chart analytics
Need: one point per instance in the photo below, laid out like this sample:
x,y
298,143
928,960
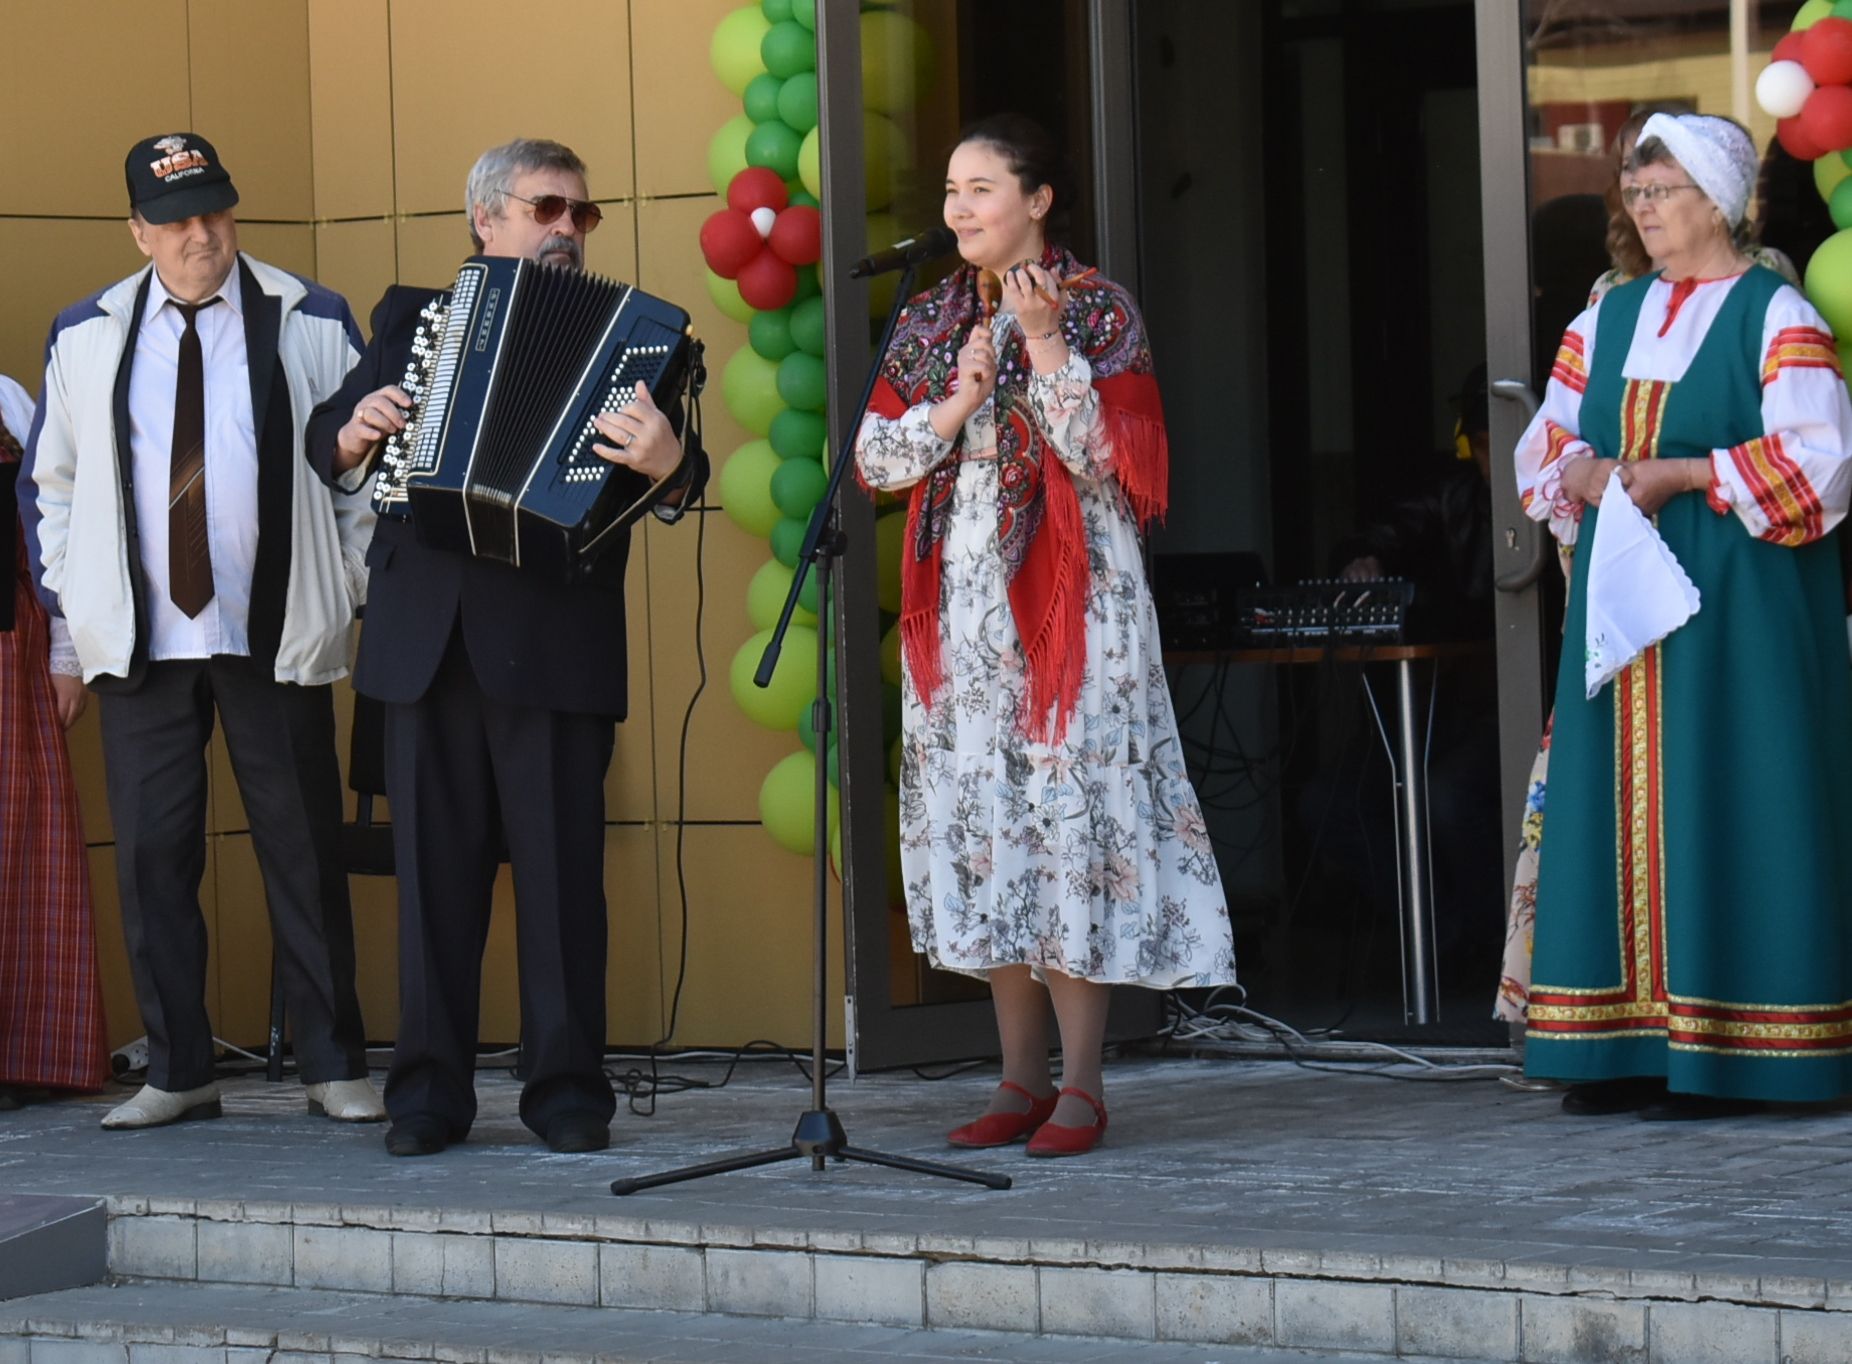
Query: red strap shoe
x,y
1058,1139
1000,1129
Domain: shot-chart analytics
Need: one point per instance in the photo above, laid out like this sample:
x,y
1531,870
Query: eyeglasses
x,y
548,207
1651,194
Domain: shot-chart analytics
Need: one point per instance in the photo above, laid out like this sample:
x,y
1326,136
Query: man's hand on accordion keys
x,y
376,416
639,437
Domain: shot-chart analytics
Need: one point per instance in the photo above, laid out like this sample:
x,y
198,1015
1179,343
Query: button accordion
x,y
506,374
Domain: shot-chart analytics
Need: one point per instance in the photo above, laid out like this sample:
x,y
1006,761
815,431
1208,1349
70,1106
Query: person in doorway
x,y
1667,977
52,1034
502,692
1050,838
206,575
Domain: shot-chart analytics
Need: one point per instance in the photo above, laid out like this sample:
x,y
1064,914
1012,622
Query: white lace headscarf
x,y
1715,152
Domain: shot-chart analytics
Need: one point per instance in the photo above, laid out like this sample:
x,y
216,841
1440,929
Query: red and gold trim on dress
x,y
1781,489
1699,1025
1799,348
1571,367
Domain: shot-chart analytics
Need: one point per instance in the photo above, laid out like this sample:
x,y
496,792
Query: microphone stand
x,y
819,1136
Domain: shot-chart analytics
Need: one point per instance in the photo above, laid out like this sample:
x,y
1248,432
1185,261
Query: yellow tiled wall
x,y
349,127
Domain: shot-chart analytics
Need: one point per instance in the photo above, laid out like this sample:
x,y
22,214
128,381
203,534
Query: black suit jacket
x,y
531,641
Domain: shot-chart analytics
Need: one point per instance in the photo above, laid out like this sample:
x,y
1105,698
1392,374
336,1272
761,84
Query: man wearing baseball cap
x,y
207,574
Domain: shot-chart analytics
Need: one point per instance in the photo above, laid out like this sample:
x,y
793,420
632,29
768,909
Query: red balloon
x,y
1789,48
797,236
768,283
1794,139
1826,117
728,242
1826,51
757,187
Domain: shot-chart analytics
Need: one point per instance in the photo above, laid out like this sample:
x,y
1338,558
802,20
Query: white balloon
x,y
763,218
1782,89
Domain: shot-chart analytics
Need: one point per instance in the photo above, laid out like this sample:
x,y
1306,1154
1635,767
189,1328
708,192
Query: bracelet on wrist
x,y
1047,335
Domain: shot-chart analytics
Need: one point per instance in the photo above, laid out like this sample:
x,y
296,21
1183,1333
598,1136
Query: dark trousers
x,y
281,741
462,768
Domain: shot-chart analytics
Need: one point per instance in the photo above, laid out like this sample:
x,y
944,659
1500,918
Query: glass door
x,y
1560,81
896,82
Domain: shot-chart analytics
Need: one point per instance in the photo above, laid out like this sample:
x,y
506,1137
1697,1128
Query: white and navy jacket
x,y
79,513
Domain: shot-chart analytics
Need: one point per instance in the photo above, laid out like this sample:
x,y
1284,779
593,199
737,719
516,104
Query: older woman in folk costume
x,y
1050,837
1694,920
51,998
1630,260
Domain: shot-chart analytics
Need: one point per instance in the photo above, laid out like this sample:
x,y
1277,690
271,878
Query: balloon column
x,y
761,252
1807,88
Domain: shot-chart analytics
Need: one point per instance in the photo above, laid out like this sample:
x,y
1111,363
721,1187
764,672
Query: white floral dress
x,y
1088,856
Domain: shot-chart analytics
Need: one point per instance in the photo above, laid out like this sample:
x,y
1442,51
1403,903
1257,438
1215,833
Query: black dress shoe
x,y
1598,1098
417,1134
1697,1108
571,1133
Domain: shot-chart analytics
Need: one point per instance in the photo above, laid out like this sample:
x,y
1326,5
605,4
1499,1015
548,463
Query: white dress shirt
x,y
231,471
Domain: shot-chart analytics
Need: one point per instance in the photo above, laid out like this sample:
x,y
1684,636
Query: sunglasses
x,y
548,207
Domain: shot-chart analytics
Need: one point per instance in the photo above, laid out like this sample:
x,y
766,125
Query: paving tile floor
x,y
1257,1154
199,1319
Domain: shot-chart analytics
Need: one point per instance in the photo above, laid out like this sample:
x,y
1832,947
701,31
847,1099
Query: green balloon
x,y
726,296
788,541
807,598
797,485
897,61
787,49
1805,17
803,382
890,539
833,766
808,285
797,101
746,487
774,146
793,685
890,654
810,163
1840,204
770,333
1842,9
749,386
734,50
806,730
1829,282
726,152
765,597
809,326
776,11
803,198
761,97
805,12
788,803
798,435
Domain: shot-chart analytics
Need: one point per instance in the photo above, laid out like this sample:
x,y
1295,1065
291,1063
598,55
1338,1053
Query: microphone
x,y
913,251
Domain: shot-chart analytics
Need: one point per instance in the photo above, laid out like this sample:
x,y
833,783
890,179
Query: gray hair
x,y
1654,152
495,170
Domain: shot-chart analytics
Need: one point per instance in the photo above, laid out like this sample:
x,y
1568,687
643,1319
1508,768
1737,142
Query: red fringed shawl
x,y
1039,530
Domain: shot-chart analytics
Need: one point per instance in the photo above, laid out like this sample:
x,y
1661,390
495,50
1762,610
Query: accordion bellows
x,y
505,377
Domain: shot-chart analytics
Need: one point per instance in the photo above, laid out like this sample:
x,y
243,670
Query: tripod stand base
x,y
819,1137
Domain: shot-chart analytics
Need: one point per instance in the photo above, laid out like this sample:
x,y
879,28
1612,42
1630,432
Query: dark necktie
x,y
189,559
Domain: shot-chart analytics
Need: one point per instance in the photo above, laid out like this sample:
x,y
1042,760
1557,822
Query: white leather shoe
x,y
346,1101
153,1107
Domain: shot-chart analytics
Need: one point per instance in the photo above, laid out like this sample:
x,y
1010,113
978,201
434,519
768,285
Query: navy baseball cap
x,y
176,176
